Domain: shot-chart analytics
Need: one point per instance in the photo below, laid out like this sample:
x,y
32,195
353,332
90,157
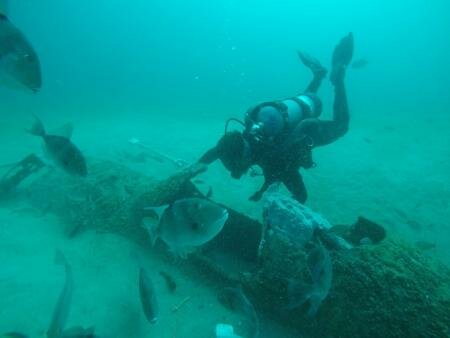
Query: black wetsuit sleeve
x,y
258,194
210,156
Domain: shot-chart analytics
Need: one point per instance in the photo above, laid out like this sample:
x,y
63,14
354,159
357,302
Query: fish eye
x,y
195,226
28,57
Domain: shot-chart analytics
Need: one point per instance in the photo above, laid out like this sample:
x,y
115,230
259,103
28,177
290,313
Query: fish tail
x,y
152,228
298,294
37,128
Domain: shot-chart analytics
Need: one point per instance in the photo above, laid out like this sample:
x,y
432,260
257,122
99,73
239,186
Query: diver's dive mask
x,y
235,153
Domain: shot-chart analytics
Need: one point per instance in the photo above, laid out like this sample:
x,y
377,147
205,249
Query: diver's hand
x,y
313,64
195,169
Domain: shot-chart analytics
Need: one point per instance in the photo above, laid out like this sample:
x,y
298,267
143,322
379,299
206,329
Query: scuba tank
x,y
268,120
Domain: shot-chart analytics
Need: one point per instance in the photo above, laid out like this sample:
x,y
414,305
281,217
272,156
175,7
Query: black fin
x,y
37,128
343,52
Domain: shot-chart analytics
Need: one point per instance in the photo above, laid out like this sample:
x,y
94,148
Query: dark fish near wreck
x,y
235,300
360,63
62,309
19,63
61,149
148,297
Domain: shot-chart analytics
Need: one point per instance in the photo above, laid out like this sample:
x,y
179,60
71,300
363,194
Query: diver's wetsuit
x,y
279,136
282,160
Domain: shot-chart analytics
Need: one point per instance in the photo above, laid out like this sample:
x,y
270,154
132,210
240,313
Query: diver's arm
x,y
210,156
268,181
294,183
257,195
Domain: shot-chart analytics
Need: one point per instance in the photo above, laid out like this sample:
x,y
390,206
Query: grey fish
x,y
319,265
61,149
360,63
62,309
19,63
235,300
148,297
185,224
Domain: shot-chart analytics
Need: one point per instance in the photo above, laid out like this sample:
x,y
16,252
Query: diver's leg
x,y
336,128
325,132
294,183
319,72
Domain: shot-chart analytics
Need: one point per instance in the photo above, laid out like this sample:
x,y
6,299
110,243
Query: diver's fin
x,y
343,52
64,131
342,56
312,63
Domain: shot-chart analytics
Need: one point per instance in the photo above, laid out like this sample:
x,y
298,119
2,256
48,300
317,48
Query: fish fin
x,y
182,252
298,294
78,332
156,212
3,9
209,194
315,300
152,227
150,222
37,128
65,130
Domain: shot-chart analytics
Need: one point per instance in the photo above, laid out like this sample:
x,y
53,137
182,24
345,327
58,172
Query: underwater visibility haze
x,y
224,168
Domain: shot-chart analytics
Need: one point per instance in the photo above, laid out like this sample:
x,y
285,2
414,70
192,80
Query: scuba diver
x,y
279,136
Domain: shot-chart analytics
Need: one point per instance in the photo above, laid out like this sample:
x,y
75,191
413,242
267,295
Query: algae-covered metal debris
x,y
389,289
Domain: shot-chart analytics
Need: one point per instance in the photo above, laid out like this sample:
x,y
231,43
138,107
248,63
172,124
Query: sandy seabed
x,y
387,171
